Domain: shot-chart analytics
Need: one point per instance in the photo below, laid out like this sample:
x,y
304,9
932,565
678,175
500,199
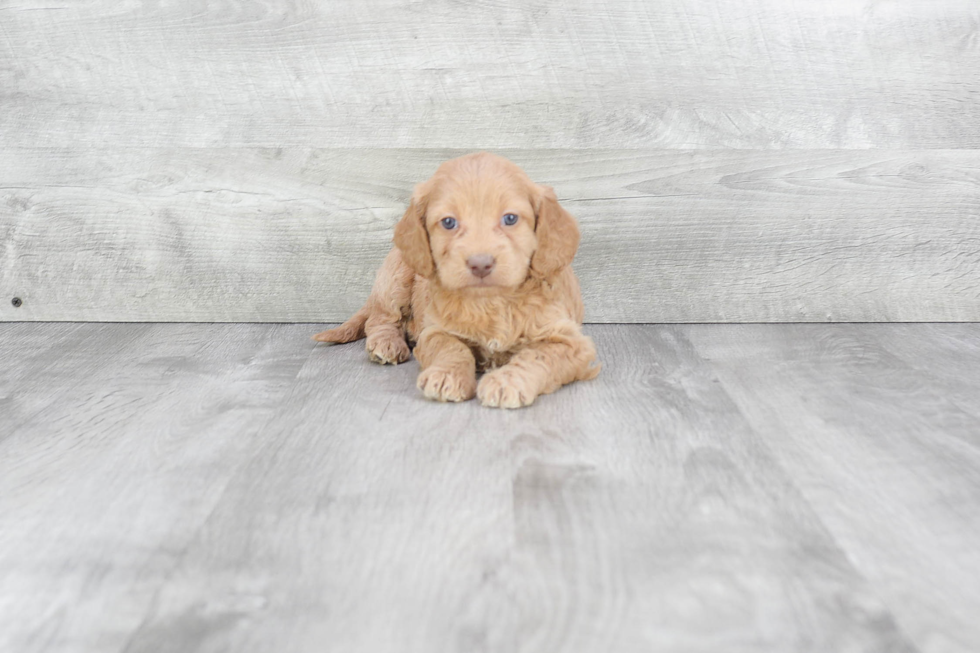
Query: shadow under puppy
x,y
480,279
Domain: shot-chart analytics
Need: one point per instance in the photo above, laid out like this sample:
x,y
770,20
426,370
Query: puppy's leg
x,y
390,298
537,369
386,343
448,367
383,316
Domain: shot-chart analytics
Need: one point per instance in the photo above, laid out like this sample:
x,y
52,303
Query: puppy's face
x,y
480,224
481,229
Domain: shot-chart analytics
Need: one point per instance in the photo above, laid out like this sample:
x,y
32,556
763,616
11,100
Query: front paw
x,y
506,388
443,384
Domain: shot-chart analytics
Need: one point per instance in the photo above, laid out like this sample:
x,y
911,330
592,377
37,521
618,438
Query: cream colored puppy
x,y
480,279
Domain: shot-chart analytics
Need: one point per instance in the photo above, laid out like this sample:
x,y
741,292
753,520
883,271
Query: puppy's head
x,y
480,223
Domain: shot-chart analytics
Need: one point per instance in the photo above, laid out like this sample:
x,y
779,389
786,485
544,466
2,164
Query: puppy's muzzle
x,y
481,265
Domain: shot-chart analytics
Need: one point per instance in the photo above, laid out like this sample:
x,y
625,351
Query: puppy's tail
x,y
349,331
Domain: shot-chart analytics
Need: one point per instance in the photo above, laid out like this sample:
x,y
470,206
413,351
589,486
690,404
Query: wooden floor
x,y
232,487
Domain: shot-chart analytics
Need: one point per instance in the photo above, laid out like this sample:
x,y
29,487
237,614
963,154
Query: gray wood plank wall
x,y
728,160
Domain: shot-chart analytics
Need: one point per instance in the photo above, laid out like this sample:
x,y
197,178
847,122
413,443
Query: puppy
x,y
480,279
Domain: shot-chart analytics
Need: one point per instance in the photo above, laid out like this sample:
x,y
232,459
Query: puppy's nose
x,y
481,264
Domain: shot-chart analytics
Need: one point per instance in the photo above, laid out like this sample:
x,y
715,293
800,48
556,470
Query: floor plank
x,y
717,488
42,364
879,425
104,481
637,513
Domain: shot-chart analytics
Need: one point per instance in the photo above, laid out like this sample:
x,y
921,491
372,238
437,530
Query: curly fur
x,y
520,325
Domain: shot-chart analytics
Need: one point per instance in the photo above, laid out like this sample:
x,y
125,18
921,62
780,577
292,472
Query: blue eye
x,y
448,223
509,219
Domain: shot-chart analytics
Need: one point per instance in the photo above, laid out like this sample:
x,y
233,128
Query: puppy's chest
x,y
493,352
493,335
488,360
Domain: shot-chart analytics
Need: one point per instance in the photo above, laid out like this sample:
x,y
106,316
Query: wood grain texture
x,y
184,234
35,378
879,426
116,441
718,488
758,74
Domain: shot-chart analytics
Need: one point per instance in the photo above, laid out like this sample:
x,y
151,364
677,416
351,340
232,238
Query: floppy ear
x,y
411,236
556,232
